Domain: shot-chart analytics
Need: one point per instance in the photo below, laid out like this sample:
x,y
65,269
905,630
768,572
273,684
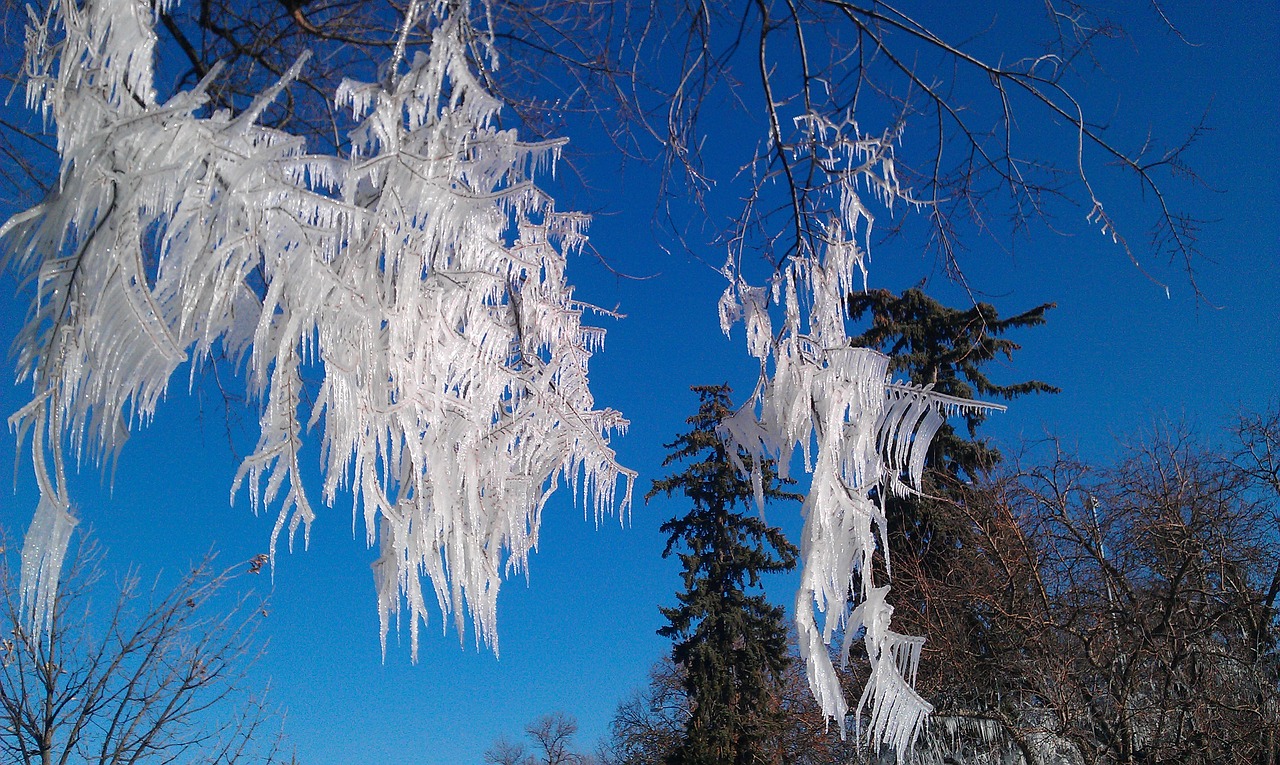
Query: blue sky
x,y
579,637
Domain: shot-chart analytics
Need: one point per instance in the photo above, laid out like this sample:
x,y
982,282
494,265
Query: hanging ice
x,y
422,276
862,438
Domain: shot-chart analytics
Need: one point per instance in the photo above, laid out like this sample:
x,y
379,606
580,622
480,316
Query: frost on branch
x,y
861,437
421,278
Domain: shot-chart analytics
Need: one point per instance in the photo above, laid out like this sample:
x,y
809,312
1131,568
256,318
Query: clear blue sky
x,y
580,637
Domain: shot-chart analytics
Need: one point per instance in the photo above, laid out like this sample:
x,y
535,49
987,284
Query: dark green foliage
x,y
948,347
732,644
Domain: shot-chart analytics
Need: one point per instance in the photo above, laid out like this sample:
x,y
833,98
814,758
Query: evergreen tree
x,y
934,344
947,347
731,643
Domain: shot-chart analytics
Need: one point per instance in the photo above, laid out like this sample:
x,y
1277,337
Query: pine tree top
x,y
709,478
948,348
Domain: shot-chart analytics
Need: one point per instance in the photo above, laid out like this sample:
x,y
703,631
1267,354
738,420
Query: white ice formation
x,y
421,278
862,438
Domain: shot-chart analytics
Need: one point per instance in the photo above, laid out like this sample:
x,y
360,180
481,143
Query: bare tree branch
x,y
159,676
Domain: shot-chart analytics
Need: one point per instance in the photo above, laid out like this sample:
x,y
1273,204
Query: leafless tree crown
x,y
992,133
154,676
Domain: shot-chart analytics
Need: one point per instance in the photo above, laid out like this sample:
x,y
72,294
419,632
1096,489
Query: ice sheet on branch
x,y
421,278
862,437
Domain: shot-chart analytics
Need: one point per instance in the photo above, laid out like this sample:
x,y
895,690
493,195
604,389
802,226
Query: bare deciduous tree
x,y
1113,614
299,268
506,752
552,737
158,675
647,727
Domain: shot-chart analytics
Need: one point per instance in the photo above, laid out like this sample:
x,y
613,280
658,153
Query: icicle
x,y
43,550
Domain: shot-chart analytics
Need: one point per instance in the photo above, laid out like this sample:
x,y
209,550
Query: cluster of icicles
x,y
421,278
862,436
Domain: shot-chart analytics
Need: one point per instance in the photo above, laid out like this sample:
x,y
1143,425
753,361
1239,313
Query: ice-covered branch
x,y
861,436
423,276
